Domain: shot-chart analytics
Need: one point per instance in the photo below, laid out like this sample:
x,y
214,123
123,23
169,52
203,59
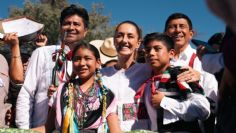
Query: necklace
x,y
85,101
87,98
76,103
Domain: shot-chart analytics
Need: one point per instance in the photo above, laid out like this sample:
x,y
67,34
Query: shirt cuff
x,y
168,103
168,115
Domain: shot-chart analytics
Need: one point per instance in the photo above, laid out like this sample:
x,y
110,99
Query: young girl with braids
x,y
84,104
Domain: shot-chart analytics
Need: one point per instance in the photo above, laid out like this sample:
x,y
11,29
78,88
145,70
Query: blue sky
x,y
150,15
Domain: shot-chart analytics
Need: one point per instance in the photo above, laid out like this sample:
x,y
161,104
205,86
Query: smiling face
x,y
85,63
74,27
158,56
180,32
126,39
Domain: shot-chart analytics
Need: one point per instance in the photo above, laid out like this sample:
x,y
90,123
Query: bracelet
x,y
16,56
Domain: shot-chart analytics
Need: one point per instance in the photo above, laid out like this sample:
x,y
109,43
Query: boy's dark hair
x,y
156,36
88,46
132,23
74,10
178,16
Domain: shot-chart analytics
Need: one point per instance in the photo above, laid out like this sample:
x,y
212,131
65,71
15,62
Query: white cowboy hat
x,y
106,49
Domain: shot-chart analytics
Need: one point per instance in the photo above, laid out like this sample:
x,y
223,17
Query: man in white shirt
x,y
179,27
32,102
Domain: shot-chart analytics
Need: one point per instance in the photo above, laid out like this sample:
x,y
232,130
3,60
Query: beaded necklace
x,y
86,102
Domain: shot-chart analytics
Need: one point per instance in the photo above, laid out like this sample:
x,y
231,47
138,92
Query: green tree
x,y
99,27
42,13
55,3
48,13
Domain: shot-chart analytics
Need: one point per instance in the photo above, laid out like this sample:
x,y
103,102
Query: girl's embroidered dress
x,y
77,110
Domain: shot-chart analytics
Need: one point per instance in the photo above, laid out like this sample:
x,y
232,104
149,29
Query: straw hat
x,y
106,49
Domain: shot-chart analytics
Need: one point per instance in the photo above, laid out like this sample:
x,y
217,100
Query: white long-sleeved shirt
x,y
196,106
32,101
184,59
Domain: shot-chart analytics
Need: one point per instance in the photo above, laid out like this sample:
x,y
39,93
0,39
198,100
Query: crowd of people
x,y
159,83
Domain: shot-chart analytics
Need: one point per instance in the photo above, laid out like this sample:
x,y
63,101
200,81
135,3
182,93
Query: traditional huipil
x,y
80,111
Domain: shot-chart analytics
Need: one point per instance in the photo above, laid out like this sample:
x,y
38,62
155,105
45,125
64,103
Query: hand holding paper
x,y
25,28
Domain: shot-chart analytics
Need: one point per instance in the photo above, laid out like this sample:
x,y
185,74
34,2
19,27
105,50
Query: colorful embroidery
x,y
129,111
134,111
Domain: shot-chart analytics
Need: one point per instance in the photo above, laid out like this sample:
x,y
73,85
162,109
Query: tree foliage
x,y
99,27
48,13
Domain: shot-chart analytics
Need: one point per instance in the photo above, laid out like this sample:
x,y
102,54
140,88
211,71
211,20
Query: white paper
x,y
22,26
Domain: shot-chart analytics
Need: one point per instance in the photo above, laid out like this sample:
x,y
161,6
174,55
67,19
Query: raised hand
x,y
11,39
41,40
